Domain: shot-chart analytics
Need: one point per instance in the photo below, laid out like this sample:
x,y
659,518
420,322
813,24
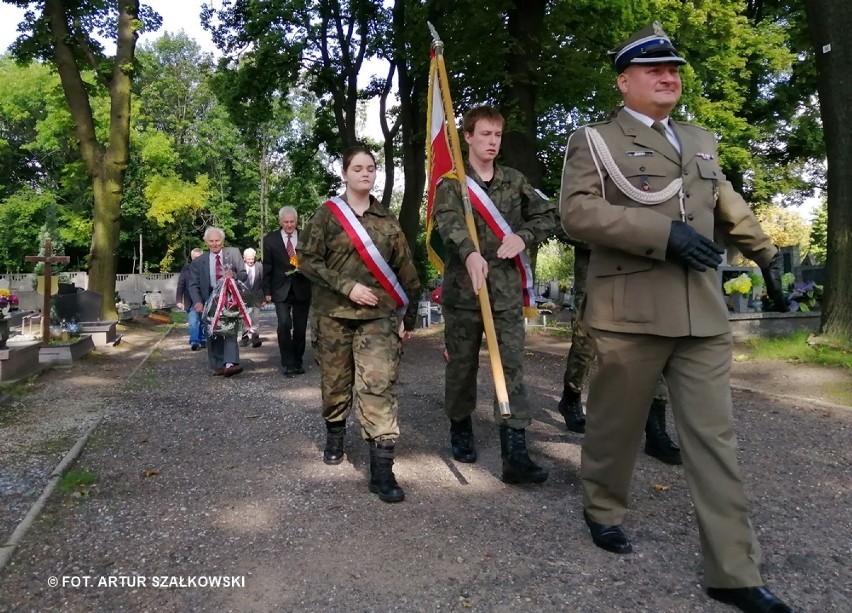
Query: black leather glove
x,y
777,300
690,247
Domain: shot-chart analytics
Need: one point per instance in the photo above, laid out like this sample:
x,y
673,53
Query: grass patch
x,y
558,329
77,482
797,348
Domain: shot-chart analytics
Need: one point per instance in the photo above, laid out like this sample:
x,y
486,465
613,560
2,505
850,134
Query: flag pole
x,y
458,162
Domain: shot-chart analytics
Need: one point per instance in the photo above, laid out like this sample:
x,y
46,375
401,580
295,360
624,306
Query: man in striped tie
x,y
288,289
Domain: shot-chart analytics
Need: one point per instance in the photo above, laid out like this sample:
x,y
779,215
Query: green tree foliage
x,y
785,226
555,261
819,232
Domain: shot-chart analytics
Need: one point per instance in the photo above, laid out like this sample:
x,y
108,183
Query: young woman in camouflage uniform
x,y
358,327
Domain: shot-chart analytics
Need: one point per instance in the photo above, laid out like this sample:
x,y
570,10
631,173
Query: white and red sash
x,y
498,224
368,251
230,297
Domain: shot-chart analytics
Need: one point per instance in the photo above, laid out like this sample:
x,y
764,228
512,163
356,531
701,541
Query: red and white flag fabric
x,y
439,160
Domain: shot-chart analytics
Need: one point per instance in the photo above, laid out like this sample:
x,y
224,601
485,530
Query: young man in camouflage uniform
x,y
532,218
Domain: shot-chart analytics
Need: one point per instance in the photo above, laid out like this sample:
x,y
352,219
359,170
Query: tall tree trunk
x,y
412,91
107,166
525,24
829,22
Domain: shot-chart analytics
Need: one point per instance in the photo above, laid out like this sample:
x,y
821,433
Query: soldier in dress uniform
x,y
530,218
647,194
360,318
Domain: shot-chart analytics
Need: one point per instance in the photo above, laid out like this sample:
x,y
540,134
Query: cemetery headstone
x,y
84,305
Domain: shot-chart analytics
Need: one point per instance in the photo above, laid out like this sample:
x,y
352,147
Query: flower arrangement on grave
x,y
805,296
8,300
738,285
225,312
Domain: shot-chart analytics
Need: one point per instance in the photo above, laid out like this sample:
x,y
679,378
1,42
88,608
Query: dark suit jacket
x,y
254,291
199,269
276,265
182,294
256,286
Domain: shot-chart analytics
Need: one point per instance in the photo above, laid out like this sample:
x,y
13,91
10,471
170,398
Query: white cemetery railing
x,y
131,288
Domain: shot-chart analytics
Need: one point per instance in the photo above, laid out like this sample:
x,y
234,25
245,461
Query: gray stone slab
x,y
66,353
102,332
20,360
749,325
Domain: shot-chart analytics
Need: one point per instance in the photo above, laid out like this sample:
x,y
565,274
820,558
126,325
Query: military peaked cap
x,y
650,45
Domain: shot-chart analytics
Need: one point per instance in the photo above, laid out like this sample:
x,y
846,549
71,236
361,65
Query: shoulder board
x,y
687,124
450,175
595,123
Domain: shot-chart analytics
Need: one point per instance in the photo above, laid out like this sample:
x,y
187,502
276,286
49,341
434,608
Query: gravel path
x,y
201,477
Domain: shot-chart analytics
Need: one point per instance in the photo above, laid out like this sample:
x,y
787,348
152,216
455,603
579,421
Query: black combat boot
x,y
571,408
657,442
461,439
334,436
382,480
517,465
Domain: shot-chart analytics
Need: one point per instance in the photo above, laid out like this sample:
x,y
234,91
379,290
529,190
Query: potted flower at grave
x,y
8,302
805,296
739,289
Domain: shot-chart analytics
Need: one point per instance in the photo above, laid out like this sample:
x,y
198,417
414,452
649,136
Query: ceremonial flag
x,y
439,160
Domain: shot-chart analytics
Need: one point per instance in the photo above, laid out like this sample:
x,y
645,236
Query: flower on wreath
x,y
8,299
294,262
738,285
230,322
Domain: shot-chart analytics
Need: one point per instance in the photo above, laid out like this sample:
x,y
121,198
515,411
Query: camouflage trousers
x,y
463,338
582,351
359,361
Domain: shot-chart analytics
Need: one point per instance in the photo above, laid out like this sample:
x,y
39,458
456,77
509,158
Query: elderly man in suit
x,y
284,285
648,195
253,295
223,352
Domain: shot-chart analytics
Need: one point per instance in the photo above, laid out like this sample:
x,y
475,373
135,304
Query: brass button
x,y
649,251
690,217
641,169
618,267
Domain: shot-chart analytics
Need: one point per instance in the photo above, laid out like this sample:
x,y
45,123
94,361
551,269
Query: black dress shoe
x,y
611,538
297,370
749,599
194,346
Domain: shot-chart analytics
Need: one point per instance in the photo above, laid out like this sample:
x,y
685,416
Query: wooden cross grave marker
x,y
48,258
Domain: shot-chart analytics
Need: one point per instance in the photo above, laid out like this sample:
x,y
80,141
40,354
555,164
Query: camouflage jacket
x,y
529,213
329,259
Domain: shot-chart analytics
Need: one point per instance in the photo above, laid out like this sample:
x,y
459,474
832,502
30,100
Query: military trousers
x,y
359,362
582,351
463,331
697,371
